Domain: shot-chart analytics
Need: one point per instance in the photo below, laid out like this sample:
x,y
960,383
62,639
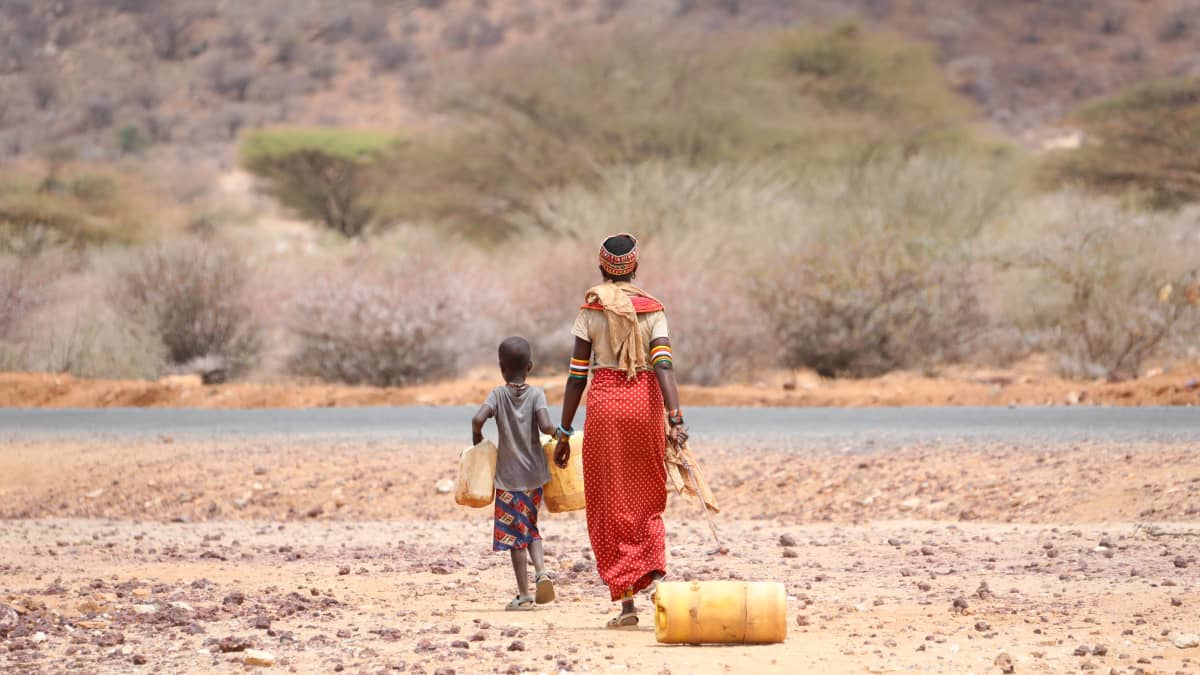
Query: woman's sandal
x,y
521,603
623,621
544,589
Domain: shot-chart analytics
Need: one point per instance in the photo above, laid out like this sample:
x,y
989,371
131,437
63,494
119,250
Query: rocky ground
x,y
123,556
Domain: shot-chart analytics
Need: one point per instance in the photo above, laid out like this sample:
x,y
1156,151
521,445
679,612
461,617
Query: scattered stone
x,y
444,486
787,540
982,626
139,660
260,470
315,511
516,646
924,586
460,644
479,636
344,633
8,619
233,644
892,541
1082,650
983,592
802,620
425,646
790,553
144,609
1005,663
110,638
581,566
234,598
959,606
1181,562
1176,602
262,622
926,550
343,570
1186,640
258,657
39,637
1099,650
910,503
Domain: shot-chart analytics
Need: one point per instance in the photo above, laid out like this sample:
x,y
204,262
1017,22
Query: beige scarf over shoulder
x,y
624,335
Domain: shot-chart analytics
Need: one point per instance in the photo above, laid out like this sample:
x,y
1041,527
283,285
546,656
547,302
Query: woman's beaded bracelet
x,y
675,417
565,432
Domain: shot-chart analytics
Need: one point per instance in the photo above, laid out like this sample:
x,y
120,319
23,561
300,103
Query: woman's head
x,y
618,257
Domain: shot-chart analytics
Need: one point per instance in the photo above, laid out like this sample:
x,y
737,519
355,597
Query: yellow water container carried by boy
x,y
707,612
564,492
476,484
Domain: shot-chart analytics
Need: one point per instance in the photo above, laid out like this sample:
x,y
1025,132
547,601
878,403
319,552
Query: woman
x,y
621,338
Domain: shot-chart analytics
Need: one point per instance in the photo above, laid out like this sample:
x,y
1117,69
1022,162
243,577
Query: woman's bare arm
x,y
665,372
571,398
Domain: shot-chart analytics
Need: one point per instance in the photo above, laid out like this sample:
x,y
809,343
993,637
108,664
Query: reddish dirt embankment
x,y
1029,385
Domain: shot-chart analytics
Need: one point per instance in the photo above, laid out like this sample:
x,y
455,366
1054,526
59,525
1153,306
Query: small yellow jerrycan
x,y
476,484
703,612
564,492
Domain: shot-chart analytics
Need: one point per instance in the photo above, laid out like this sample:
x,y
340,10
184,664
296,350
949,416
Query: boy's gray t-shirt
x,y
521,463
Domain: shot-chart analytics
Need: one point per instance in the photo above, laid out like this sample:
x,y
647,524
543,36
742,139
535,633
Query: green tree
x,y
324,175
1145,139
526,123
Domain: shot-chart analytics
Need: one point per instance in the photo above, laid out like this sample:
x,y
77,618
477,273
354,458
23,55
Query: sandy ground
x,y
124,556
1030,383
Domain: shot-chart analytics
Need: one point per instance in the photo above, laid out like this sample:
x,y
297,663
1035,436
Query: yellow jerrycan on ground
x,y
476,484
706,612
564,492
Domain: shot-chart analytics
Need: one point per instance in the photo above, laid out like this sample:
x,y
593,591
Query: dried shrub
x,y
192,296
169,27
386,328
389,56
717,334
1178,24
20,295
231,79
472,31
1109,288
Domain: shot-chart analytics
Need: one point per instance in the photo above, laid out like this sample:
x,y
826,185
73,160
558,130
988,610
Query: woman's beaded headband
x,y
619,265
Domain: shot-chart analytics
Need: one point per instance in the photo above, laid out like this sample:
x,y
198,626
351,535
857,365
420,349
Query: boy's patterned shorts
x,y
516,519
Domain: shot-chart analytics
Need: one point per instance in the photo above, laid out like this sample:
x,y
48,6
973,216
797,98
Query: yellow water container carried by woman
x,y
564,492
706,612
476,484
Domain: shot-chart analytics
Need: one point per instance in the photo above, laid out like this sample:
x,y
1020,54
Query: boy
x,y
521,470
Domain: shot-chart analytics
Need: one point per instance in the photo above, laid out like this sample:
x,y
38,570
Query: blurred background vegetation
x,y
377,192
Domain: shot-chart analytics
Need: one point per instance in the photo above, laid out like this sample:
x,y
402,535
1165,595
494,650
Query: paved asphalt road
x,y
839,428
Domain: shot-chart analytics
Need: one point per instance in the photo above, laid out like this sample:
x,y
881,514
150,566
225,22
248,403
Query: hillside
x,y
176,82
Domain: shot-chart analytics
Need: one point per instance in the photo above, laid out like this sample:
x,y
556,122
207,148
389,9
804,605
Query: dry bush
x,y
192,296
405,324
1108,288
20,295
717,335
861,306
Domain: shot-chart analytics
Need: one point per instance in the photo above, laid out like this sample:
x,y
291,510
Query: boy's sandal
x,y
521,603
544,589
623,621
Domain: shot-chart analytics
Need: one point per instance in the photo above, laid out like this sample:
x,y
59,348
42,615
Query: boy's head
x,y
516,358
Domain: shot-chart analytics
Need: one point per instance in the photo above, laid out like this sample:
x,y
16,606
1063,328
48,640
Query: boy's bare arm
x,y
544,424
477,422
